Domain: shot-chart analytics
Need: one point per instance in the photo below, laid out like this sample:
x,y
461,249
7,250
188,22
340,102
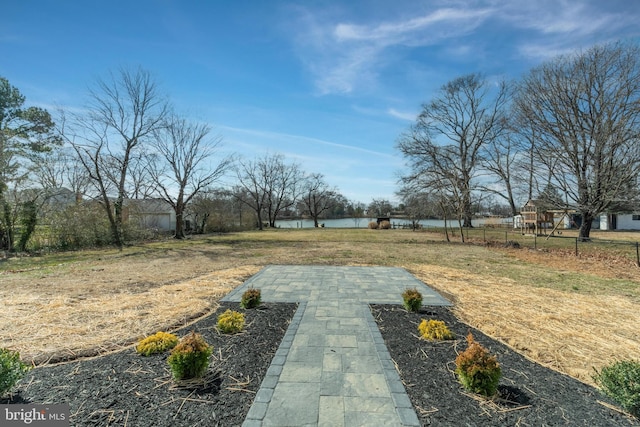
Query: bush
x,y
478,371
190,358
373,225
156,343
385,225
412,299
435,330
251,298
621,382
230,322
11,370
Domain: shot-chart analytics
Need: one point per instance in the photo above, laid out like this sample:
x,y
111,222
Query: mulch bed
x,y
529,394
124,388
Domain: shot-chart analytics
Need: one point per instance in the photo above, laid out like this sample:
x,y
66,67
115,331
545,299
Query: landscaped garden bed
x,y
528,394
126,388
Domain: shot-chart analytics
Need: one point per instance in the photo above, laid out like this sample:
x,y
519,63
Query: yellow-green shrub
x,y
230,322
190,358
435,330
156,343
478,371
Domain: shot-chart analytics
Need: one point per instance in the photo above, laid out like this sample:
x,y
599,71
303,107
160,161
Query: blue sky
x,y
328,84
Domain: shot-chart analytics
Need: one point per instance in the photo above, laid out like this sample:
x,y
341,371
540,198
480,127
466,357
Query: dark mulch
x,y
530,395
125,388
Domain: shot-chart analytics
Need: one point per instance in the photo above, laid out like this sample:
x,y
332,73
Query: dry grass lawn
x,y
571,314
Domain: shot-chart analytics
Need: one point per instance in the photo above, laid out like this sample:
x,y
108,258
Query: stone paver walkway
x,y
332,367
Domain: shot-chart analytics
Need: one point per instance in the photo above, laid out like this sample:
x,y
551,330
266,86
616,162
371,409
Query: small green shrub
x,y
157,343
412,299
477,370
385,225
190,358
621,382
251,298
230,322
11,370
373,225
435,330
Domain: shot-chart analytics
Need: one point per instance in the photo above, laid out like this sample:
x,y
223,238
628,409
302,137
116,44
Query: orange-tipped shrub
x,y
412,299
190,358
478,371
373,225
385,225
251,298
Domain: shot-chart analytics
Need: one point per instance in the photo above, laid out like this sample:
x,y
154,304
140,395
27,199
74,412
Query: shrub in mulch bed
x,y
528,393
124,388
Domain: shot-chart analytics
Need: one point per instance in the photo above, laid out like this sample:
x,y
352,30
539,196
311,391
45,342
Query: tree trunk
x,y
179,226
116,224
585,227
461,228
446,230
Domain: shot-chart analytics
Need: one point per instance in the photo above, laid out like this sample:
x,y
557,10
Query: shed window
x,y
635,217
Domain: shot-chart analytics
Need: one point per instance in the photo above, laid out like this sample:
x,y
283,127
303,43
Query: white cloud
x,y
409,116
343,56
299,140
346,54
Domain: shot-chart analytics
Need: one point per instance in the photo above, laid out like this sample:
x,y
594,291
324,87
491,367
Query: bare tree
x,y
357,210
584,109
446,142
500,159
122,115
379,208
183,171
317,196
269,185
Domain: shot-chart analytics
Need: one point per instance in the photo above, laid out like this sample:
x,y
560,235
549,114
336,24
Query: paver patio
x,y
332,367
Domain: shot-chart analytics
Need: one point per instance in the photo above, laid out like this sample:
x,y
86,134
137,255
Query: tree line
x,y
566,133
127,142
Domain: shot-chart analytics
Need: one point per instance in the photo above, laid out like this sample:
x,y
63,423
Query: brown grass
x,y
571,314
569,332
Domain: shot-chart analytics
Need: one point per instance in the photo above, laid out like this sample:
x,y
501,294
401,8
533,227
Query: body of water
x,y
364,222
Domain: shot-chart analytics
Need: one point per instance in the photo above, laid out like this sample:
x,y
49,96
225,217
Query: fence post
x,y
506,238
535,241
484,235
637,255
576,246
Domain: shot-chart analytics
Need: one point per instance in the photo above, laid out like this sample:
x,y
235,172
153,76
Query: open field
x,y
569,313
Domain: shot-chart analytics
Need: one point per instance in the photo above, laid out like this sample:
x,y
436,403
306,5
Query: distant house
x,y
150,213
620,221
